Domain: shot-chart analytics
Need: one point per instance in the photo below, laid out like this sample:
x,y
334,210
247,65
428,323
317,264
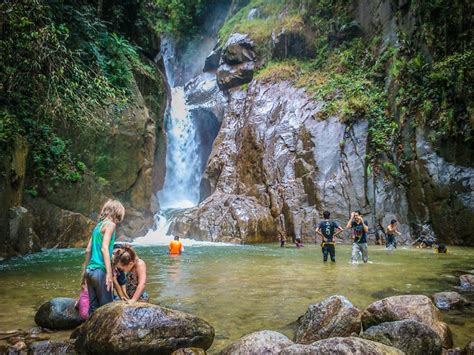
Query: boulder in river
x,y
58,313
333,317
263,342
342,346
449,300
416,307
238,49
121,328
410,336
229,76
467,281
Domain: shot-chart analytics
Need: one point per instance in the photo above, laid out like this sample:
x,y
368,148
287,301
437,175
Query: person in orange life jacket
x,y
175,247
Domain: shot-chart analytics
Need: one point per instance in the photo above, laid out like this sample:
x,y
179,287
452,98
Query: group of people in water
x,y
111,266
329,229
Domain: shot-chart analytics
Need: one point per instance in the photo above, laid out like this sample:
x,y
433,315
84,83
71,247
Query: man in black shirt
x,y
327,230
360,229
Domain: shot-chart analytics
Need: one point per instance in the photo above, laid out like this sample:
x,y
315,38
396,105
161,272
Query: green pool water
x,y
241,289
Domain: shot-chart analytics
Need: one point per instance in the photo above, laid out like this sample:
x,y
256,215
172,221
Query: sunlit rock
x,y
121,328
449,300
333,317
415,307
342,346
410,336
263,342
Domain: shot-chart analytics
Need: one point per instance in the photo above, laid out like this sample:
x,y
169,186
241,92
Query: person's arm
x,y
318,231
123,296
86,261
366,227
349,224
108,230
339,231
141,273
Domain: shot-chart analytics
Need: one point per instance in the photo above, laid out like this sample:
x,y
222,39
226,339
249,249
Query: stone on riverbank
x,y
263,342
121,328
467,281
342,346
333,317
449,300
470,348
416,307
58,313
410,336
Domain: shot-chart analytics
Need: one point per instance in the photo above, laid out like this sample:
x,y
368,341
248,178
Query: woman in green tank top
x,y
98,263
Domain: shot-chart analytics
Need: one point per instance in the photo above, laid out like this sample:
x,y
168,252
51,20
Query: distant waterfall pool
x,y
241,289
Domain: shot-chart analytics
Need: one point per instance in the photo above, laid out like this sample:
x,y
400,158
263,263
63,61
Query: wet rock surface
x,y
288,43
120,328
239,48
410,336
229,76
333,317
416,307
263,342
449,300
342,346
467,281
226,218
272,147
58,313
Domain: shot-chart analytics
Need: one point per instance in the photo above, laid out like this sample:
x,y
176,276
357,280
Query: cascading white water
x,y
183,165
181,187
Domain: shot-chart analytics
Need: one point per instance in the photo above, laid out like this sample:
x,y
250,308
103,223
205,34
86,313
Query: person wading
x,y
328,230
359,229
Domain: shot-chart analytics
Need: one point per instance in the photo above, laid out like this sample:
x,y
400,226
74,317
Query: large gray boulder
x,y
410,336
342,346
333,317
449,300
229,76
264,342
416,307
58,313
121,328
238,49
467,281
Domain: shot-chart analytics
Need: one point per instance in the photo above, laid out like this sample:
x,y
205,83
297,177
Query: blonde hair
x,y
114,210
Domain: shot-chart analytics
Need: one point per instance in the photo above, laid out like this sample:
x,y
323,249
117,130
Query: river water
x,y
241,289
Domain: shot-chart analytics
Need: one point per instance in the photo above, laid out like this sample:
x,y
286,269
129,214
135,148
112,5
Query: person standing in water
x,y
391,231
175,247
328,230
360,229
98,263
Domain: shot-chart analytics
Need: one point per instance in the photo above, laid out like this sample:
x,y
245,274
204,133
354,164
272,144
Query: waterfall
x,y
183,156
183,174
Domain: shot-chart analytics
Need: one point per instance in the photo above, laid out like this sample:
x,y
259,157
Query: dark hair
x,y
393,221
326,214
125,256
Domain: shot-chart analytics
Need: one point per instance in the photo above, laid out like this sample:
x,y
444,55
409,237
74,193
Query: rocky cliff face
x,y
275,166
129,158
